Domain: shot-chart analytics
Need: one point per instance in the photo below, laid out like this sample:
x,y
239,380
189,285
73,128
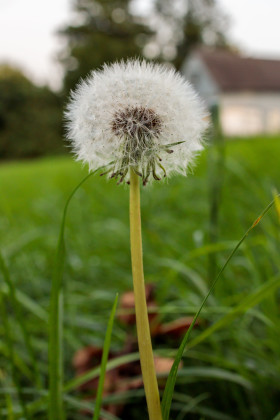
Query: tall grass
x,y
232,359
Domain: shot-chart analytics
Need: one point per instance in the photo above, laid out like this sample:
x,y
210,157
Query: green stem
x,y
142,320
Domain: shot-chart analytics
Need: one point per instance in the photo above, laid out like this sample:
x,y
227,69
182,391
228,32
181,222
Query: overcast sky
x,y
27,32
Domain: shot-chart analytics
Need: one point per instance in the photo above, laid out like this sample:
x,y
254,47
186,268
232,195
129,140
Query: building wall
x,y
197,73
245,114
240,113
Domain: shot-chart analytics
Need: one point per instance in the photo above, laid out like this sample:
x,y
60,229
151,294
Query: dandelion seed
x,y
136,115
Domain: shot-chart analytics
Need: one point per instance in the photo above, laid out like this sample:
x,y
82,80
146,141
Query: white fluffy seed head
x,y
136,114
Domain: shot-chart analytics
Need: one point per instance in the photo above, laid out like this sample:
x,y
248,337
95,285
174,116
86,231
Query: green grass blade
x,y
246,304
94,373
77,402
277,207
20,364
20,320
9,405
73,384
26,302
10,345
212,373
56,322
171,380
106,348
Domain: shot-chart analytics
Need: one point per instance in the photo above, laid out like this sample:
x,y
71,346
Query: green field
x,y
232,372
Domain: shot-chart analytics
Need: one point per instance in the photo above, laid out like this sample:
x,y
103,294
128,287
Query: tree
x,y
106,31
30,117
184,24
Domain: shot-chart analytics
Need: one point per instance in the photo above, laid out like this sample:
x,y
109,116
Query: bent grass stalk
x,y
56,323
142,320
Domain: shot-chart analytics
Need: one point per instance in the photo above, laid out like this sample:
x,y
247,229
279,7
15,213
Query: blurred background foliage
x,y
30,117
108,30
100,31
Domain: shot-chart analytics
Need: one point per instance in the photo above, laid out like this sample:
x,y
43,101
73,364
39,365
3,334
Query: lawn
x,y
232,367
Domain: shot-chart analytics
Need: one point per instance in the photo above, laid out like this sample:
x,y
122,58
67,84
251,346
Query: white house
x,y
246,90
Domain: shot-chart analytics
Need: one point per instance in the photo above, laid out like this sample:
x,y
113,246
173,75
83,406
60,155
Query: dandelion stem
x,y
142,320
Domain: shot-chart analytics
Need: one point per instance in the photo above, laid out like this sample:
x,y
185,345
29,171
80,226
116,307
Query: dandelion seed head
x,y
136,114
135,122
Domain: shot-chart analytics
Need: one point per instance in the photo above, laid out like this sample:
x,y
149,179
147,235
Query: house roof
x,y
233,72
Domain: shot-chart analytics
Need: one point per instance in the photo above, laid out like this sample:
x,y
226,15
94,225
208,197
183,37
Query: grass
x,y
232,372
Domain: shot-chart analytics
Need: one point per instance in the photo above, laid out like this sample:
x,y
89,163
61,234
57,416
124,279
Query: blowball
x,y
136,115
